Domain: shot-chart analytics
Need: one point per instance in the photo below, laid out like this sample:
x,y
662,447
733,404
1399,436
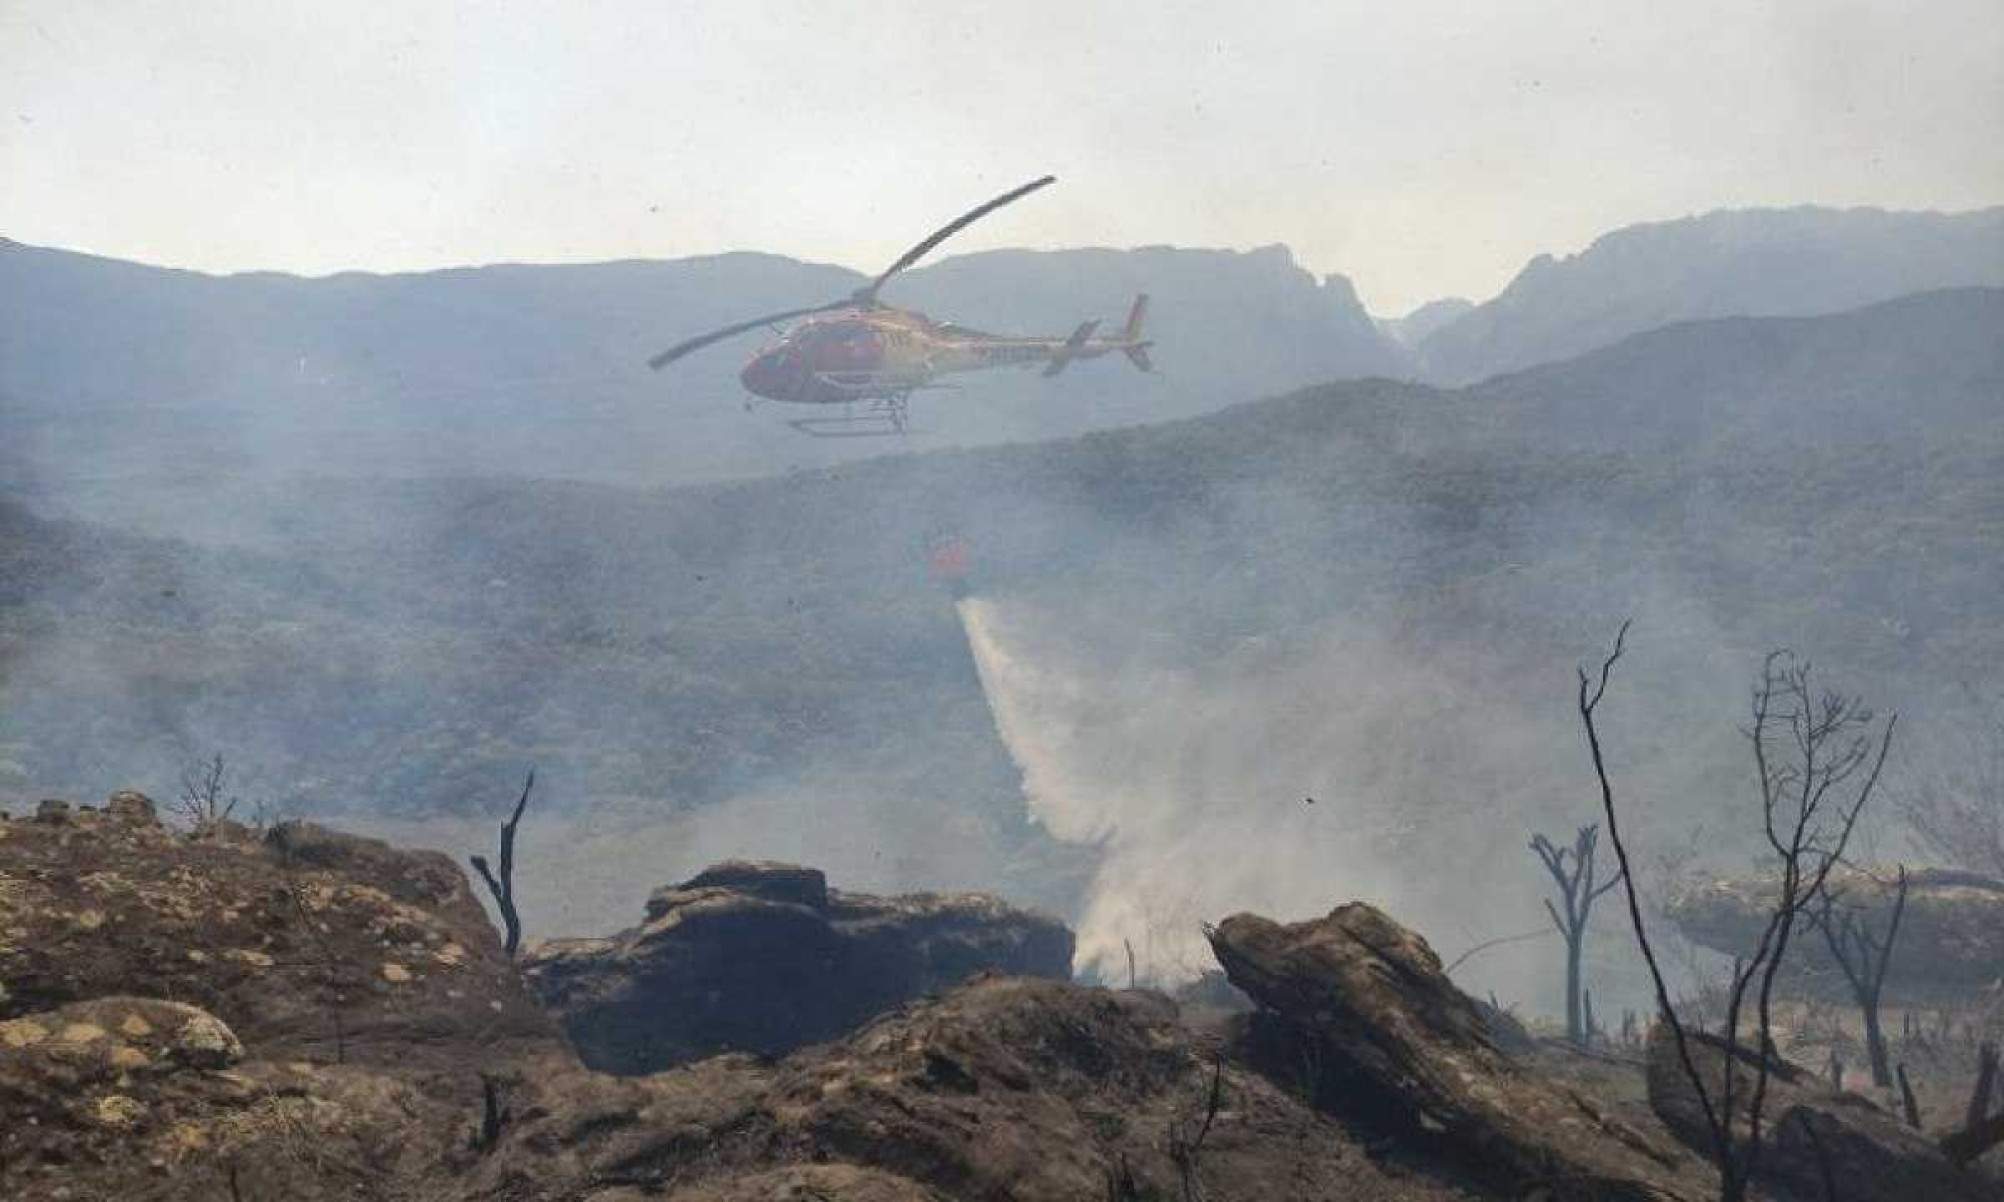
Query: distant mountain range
x,y
110,369
402,646
383,540
1415,327
1738,263
112,373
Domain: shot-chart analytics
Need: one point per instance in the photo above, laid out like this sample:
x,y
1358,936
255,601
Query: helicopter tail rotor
x,y
1133,345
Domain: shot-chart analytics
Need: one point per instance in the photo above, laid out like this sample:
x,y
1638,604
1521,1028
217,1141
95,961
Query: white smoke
x,y
1194,774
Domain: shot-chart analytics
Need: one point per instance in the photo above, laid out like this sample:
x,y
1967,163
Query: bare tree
x,y
1981,1130
1818,765
1863,952
1186,1137
204,798
1908,1104
503,889
1574,871
1979,1093
495,1113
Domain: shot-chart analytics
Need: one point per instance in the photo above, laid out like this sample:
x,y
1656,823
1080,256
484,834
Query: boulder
x,y
120,1035
1394,1045
767,880
130,805
764,958
1951,937
1815,1135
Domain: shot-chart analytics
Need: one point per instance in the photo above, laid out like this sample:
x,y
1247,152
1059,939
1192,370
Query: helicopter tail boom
x,y
1062,357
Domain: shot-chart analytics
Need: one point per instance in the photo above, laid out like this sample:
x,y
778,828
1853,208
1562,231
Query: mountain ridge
x,y
770,651
1758,262
539,371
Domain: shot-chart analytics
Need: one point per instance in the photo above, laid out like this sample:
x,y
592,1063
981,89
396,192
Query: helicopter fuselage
x,y
860,349
882,352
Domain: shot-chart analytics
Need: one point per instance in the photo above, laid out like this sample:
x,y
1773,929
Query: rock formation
x,y
303,1015
1951,937
1816,1137
1003,1089
311,1016
1391,1041
307,942
765,958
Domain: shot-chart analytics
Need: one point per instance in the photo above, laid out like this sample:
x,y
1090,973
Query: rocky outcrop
x,y
1951,937
309,944
1392,1043
1030,1090
1816,1137
333,1004
138,1097
292,1063
764,958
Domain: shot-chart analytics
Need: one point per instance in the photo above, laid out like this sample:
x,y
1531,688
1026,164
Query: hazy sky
x,y
1422,148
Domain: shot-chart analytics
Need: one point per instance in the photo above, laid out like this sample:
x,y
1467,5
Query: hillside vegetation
x,y
404,647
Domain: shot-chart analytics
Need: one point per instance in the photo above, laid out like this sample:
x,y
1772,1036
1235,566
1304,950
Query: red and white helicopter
x,y
858,349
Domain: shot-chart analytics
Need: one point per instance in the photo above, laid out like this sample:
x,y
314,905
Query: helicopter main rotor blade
x,y
698,343
948,230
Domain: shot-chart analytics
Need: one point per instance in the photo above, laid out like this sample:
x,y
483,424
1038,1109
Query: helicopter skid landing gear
x,y
881,417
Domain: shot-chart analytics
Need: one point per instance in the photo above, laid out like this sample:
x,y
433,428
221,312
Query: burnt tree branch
x,y
1863,955
1809,752
503,888
1574,871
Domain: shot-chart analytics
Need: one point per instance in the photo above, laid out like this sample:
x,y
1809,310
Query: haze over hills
x,y
383,540
1414,328
114,373
1730,263
114,370
1369,593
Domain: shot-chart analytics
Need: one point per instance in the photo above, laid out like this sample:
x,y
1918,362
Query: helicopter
x,y
859,350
